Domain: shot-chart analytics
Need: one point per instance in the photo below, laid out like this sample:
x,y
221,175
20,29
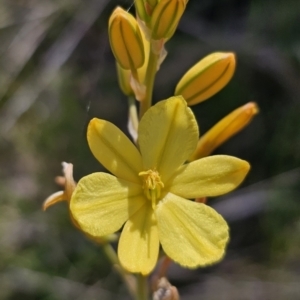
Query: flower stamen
x,y
152,185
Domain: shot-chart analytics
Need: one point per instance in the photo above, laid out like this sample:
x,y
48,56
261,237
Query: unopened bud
x,y
225,129
124,80
141,10
125,40
206,78
151,4
134,85
165,18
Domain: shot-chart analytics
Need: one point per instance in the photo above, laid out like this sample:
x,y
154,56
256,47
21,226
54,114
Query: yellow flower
x,y
150,189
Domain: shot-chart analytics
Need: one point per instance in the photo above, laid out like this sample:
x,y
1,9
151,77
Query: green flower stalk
x,y
155,192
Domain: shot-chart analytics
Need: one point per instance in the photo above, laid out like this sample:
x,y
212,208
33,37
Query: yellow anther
x,y
152,185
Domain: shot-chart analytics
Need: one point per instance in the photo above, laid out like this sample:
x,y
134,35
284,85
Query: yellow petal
x,y
209,176
192,234
225,129
101,203
139,244
114,150
53,199
168,135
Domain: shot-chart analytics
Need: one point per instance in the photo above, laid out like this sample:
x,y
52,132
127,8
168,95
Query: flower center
x,y
152,185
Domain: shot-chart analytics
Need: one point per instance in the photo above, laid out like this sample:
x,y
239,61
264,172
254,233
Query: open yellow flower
x,y
151,187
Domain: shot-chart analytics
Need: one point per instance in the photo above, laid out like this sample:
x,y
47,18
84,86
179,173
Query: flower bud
x,y
129,84
124,80
165,18
125,40
225,129
141,11
151,4
206,78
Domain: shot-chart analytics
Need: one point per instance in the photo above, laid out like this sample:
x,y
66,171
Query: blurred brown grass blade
x,y
52,61
21,50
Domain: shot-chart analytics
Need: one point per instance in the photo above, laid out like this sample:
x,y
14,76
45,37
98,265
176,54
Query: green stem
x,y
127,278
149,83
133,115
142,287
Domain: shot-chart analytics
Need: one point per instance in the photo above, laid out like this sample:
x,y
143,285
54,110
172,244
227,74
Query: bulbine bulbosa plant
x,y
153,200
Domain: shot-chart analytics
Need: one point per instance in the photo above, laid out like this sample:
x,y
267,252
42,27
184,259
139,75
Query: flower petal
x,y
101,203
139,244
168,135
209,176
114,150
192,234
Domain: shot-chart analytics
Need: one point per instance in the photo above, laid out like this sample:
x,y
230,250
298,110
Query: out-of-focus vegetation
x,y
57,72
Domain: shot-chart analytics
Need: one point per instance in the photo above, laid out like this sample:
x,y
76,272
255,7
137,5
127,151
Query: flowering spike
x,y
206,78
225,129
126,40
165,18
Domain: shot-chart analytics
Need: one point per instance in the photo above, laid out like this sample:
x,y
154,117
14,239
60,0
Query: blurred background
x,y
57,72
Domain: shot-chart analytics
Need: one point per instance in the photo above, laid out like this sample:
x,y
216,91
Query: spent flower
x,y
69,184
150,189
67,181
